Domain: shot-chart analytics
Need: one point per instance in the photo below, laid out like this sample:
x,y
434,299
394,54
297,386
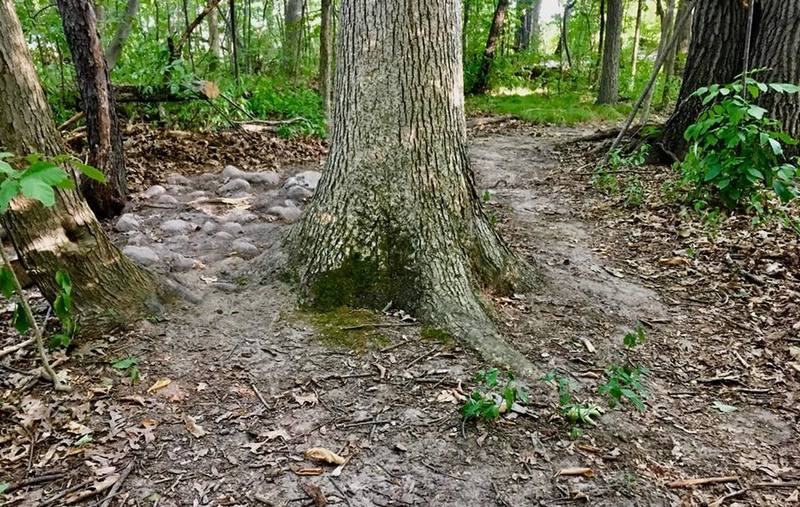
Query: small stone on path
x,y
141,255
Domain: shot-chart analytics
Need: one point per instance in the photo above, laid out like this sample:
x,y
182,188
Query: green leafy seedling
x,y
624,383
129,365
634,338
481,403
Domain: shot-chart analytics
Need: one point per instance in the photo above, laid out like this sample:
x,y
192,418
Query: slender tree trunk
x,y
293,35
114,50
564,40
213,33
102,129
667,21
534,21
234,39
609,73
188,31
601,40
671,55
325,45
108,289
481,84
637,31
397,217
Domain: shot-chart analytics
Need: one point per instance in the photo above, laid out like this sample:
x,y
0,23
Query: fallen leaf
x,y
305,471
194,428
315,493
573,471
160,384
302,399
323,454
722,407
279,433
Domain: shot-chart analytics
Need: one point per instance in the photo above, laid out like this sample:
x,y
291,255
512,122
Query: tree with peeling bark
x,y
481,84
396,218
612,46
716,55
109,290
103,135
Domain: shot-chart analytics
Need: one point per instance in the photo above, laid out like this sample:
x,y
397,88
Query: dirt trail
x,y
265,384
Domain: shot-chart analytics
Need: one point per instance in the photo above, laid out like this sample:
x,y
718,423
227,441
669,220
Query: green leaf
x,y
60,341
724,408
712,172
45,171
9,189
7,281
20,320
756,111
124,364
4,487
777,149
34,188
64,282
83,440
89,171
6,169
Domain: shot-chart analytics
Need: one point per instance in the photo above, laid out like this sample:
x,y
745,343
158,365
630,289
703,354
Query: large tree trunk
x,y
397,217
667,17
114,50
612,45
293,35
108,289
481,84
102,129
325,45
715,56
213,33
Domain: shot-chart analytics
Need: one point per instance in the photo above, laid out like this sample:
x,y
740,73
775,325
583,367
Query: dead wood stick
x,y
687,483
260,396
62,494
344,496
673,42
777,484
13,348
189,29
117,485
719,501
366,423
74,118
34,480
387,324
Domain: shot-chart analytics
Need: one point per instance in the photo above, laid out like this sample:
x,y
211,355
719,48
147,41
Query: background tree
x,y
481,83
293,34
108,288
325,46
103,136
114,50
396,217
528,32
612,46
716,55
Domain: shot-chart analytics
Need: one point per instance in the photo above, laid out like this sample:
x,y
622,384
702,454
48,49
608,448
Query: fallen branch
x,y
777,484
196,90
389,324
117,485
13,348
33,481
74,118
189,29
688,483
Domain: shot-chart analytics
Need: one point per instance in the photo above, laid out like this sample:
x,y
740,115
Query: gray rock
x,y
288,214
235,185
154,191
127,223
232,172
181,264
197,194
223,236
138,239
166,199
209,227
142,255
232,228
176,226
268,178
238,215
225,286
308,179
230,265
299,193
178,179
244,249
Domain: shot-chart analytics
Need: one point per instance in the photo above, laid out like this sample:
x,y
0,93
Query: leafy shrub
x,y
736,155
483,402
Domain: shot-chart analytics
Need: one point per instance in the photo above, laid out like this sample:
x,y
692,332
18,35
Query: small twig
x,y
719,501
62,494
344,496
34,480
117,485
393,347
777,484
13,348
686,483
260,397
367,423
420,358
388,324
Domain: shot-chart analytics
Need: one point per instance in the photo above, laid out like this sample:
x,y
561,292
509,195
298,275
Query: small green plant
x,y
36,180
605,182
624,382
634,192
486,196
634,338
636,158
736,155
486,400
129,366
574,412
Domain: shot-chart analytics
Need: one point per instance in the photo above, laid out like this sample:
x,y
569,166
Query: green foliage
x,y
62,306
563,109
634,192
4,487
736,156
483,404
129,366
624,382
574,412
634,338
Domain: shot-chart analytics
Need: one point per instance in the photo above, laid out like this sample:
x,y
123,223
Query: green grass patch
x,y
436,334
565,110
334,328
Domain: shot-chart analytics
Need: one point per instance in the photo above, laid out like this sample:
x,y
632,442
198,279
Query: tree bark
x,y
397,217
104,139
612,45
481,84
325,45
715,56
108,289
114,50
667,17
213,31
637,31
563,44
671,55
293,35
527,38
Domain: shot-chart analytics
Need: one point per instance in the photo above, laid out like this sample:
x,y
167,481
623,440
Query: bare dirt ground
x,y
237,384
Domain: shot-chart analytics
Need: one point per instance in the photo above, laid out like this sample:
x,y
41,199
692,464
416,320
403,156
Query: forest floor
x,y
237,384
